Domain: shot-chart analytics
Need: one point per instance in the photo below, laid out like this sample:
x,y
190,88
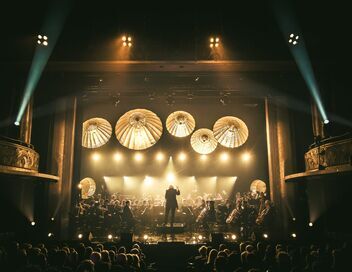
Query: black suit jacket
x,y
170,197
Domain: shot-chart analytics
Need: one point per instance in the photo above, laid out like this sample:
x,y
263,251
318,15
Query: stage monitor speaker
x,y
126,238
217,238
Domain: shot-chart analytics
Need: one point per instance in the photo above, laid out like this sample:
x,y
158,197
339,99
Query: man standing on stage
x,y
171,203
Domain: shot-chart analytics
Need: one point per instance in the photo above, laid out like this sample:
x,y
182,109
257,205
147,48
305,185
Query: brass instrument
x,y
234,216
202,215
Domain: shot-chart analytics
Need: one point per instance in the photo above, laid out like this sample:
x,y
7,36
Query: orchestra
x,y
245,211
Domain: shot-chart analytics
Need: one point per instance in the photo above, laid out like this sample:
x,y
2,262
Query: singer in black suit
x,y
171,203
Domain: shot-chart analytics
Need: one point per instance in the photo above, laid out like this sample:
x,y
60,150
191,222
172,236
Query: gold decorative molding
x,y
18,156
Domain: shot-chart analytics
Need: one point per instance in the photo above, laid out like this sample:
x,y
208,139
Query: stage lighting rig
x,y
42,40
214,42
293,39
126,41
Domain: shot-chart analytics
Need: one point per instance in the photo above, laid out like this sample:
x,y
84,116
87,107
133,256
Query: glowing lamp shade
x,y
230,131
138,129
88,187
180,124
96,132
203,141
258,186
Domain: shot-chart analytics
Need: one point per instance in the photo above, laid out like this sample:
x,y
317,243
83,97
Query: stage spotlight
x,y
266,236
214,42
80,236
293,235
126,41
326,121
96,157
145,236
182,156
17,123
117,156
200,237
310,224
224,157
293,39
33,223
203,158
246,157
42,40
110,237
170,177
233,237
159,157
138,157
52,218
293,218
148,180
50,234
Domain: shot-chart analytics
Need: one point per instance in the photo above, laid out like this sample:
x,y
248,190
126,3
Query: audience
x,y
248,256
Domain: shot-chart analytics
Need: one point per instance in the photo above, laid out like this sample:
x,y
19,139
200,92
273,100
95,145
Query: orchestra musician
x,y
127,215
171,203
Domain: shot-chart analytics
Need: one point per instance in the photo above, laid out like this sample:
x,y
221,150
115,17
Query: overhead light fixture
x,y
224,157
126,41
293,235
42,40
96,157
17,123
170,100
246,157
33,223
159,157
138,157
80,236
326,121
214,42
110,236
293,39
310,224
117,156
182,156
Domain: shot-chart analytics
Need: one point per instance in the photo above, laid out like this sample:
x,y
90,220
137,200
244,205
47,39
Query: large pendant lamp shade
x,y
230,131
180,124
203,141
138,129
96,132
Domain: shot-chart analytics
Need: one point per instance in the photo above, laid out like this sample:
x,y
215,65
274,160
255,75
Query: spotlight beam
x,y
287,22
52,28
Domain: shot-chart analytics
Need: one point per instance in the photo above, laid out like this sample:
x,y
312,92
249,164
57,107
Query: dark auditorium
x,y
175,136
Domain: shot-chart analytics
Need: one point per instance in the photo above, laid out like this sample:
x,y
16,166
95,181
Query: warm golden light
x,y
293,235
138,157
265,235
182,156
211,40
33,223
246,157
216,45
129,44
96,157
145,237
211,45
160,157
80,236
200,237
233,237
217,40
117,156
109,236
203,158
224,157
124,43
310,224
148,180
124,38
170,177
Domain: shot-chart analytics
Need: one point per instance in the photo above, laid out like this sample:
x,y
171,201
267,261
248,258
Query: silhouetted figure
x,y
171,203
